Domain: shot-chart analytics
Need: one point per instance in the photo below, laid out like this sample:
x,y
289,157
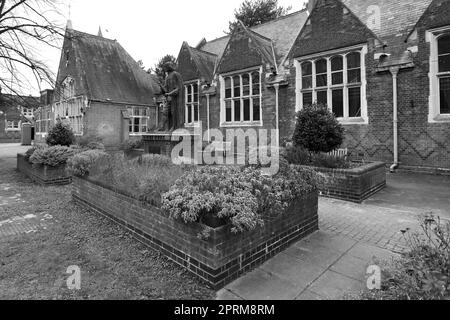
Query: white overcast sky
x,y
149,29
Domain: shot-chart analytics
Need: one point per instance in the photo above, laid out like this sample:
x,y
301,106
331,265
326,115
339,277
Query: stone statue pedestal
x,y
163,143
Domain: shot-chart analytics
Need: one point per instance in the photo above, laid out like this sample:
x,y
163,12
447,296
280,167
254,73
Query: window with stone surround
x,y
43,121
241,99
439,100
139,120
71,110
336,80
192,105
12,125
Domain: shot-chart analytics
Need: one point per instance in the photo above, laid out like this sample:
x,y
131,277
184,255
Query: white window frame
x,y
193,123
13,125
434,115
328,55
132,115
40,120
71,110
251,123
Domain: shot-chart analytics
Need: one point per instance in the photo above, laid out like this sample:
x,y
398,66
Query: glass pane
x,y
337,63
307,99
322,97
189,90
354,76
354,102
237,110
255,78
306,68
338,103
321,80
444,45
195,92
227,87
247,110
445,95
189,114
196,113
237,86
444,63
353,60
245,79
338,78
307,82
321,66
228,111
256,110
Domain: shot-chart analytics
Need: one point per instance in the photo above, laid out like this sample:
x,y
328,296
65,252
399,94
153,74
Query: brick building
x,y
15,110
101,91
383,67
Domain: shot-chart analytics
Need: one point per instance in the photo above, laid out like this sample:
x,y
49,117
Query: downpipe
x,y
394,72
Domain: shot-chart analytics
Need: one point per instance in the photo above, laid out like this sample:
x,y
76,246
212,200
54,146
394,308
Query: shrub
x,y
52,156
147,177
131,145
317,130
241,196
60,135
424,272
31,151
299,156
80,164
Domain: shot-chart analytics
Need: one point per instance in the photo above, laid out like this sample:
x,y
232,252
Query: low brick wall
x,y
220,259
43,175
355,185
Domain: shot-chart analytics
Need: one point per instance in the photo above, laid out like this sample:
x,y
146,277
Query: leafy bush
x,y
424,272
147,177
299,156
61,135
318,130
241,196
52,156
131,145
80,164
31,151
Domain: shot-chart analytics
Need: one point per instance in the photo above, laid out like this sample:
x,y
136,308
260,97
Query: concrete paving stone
x,y
334,286
327,239
226,295
309,296
301,272
352,267
259,285
370,253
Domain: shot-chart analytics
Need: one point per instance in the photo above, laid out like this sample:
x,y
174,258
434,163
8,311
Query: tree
x,y
26,28
158,69
255,12
61,135
318,130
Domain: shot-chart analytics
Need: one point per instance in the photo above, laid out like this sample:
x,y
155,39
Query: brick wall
x,y
218,260
354,185
43,175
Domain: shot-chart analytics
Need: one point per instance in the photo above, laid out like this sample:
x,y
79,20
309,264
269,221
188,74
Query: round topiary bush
x,y
61,135
318,130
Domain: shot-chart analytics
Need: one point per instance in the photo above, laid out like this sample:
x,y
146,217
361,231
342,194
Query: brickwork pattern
x,y
218,260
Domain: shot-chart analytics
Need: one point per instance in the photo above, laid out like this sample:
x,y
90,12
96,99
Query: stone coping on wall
x,y
218,260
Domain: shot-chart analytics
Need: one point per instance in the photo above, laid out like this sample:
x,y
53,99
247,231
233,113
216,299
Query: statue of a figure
x,y
164,122
174,92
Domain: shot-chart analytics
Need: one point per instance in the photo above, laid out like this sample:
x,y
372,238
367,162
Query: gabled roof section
x,y
246,49
397,18
282,32
196,64
331,25
437,15
103,70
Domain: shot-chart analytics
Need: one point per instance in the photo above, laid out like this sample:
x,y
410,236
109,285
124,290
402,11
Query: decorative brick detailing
x,y
43,175
220,259
355,185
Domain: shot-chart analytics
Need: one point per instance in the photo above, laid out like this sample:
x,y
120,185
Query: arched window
x,y
444,73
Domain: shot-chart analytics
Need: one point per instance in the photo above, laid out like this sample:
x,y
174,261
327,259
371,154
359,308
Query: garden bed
x,y
219,259
355,184
42,174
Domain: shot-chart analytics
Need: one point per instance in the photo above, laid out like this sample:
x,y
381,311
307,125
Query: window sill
x,y
192,125
12,130
352,121
442,118
241,124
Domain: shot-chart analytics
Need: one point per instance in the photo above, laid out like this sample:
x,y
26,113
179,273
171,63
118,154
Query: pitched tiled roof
x,y
282,32
103,70
398,17
205,62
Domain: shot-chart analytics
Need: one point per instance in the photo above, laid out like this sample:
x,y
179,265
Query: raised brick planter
x,y
220,259
43,175
355,185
